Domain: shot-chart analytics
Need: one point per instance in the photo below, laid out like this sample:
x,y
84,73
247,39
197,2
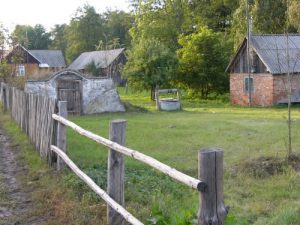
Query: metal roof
x,y
272,50
53,58
102,59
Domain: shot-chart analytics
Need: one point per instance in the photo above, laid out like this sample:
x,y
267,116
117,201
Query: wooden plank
x,y
126,215
212,210
61,132
115,172
179,176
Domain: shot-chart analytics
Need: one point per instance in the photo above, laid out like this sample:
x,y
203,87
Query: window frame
x,y
246,84
20,70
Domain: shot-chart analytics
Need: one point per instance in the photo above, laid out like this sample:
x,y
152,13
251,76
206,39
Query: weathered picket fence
x,y
33,113
36,116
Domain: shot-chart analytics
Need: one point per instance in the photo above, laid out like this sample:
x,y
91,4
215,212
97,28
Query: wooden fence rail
x,y
212,210
126,215
36,116
183,178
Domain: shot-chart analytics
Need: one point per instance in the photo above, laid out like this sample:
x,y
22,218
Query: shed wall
x,y
262,94
98,95
280,88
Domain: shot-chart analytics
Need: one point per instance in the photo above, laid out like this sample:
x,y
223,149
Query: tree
x,y
150,64
84,32
203,58
58,36
215,14
32,37
161,20
117,26
92,69
294,15
269,16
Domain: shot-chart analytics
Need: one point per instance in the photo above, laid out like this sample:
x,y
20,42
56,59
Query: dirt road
x,y
15,203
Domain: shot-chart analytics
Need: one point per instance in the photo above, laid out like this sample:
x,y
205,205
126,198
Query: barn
x,y
85,95
267,82
109,62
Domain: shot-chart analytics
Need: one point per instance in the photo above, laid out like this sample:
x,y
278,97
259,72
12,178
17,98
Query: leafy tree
x,y
58,35
4,71
117,25
238,30
203,58
84,32
92,69
32,37
216,14
294,15
150,64
269,16
162,20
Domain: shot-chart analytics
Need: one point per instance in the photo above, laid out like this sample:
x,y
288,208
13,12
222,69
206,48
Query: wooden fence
x,y
33,113
212,210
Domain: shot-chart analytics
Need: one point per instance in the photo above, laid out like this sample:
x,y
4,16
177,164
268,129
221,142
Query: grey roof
x,y
102,59
272,50
54,58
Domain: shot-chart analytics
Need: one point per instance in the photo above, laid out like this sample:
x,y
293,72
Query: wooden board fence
x,y
33,113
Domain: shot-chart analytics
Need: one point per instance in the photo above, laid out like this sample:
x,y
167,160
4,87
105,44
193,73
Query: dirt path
x,y
15,203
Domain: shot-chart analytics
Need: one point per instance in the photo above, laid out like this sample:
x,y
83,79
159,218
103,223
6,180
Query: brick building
x,y
268,68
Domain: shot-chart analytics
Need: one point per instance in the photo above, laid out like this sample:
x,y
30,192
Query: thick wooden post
x,y
61,135
115,179
212,210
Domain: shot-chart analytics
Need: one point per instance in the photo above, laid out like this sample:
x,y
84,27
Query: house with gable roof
x,y
109,62
267,82
34,64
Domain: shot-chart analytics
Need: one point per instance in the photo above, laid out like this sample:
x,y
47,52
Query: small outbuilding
x,y
85,95
109,63
267,81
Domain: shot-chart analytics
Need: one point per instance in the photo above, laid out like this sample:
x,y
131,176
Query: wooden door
x,y
70,91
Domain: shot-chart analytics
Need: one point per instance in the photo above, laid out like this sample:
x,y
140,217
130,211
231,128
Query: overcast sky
x,y
49,12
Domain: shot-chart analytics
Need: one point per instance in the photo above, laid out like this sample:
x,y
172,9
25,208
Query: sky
x,y
50,12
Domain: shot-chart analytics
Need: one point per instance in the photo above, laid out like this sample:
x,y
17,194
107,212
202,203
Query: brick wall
x,y
280,85
262,94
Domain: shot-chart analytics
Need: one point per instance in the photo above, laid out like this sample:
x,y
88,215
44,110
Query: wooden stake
x,y
61,133
212,210
115,179
4,99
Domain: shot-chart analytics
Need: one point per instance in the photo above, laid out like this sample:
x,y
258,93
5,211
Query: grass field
x,y
260,187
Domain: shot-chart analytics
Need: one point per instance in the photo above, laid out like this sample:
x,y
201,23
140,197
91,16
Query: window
x,y
20,70
249,84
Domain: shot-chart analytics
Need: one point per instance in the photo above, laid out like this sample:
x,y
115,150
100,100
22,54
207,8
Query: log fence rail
x,y
36,115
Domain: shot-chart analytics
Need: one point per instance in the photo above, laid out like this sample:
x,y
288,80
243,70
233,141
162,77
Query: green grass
x,y
175,138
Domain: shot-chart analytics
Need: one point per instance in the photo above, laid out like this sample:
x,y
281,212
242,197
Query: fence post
x,y
61,135
212,210
4,98
115,170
